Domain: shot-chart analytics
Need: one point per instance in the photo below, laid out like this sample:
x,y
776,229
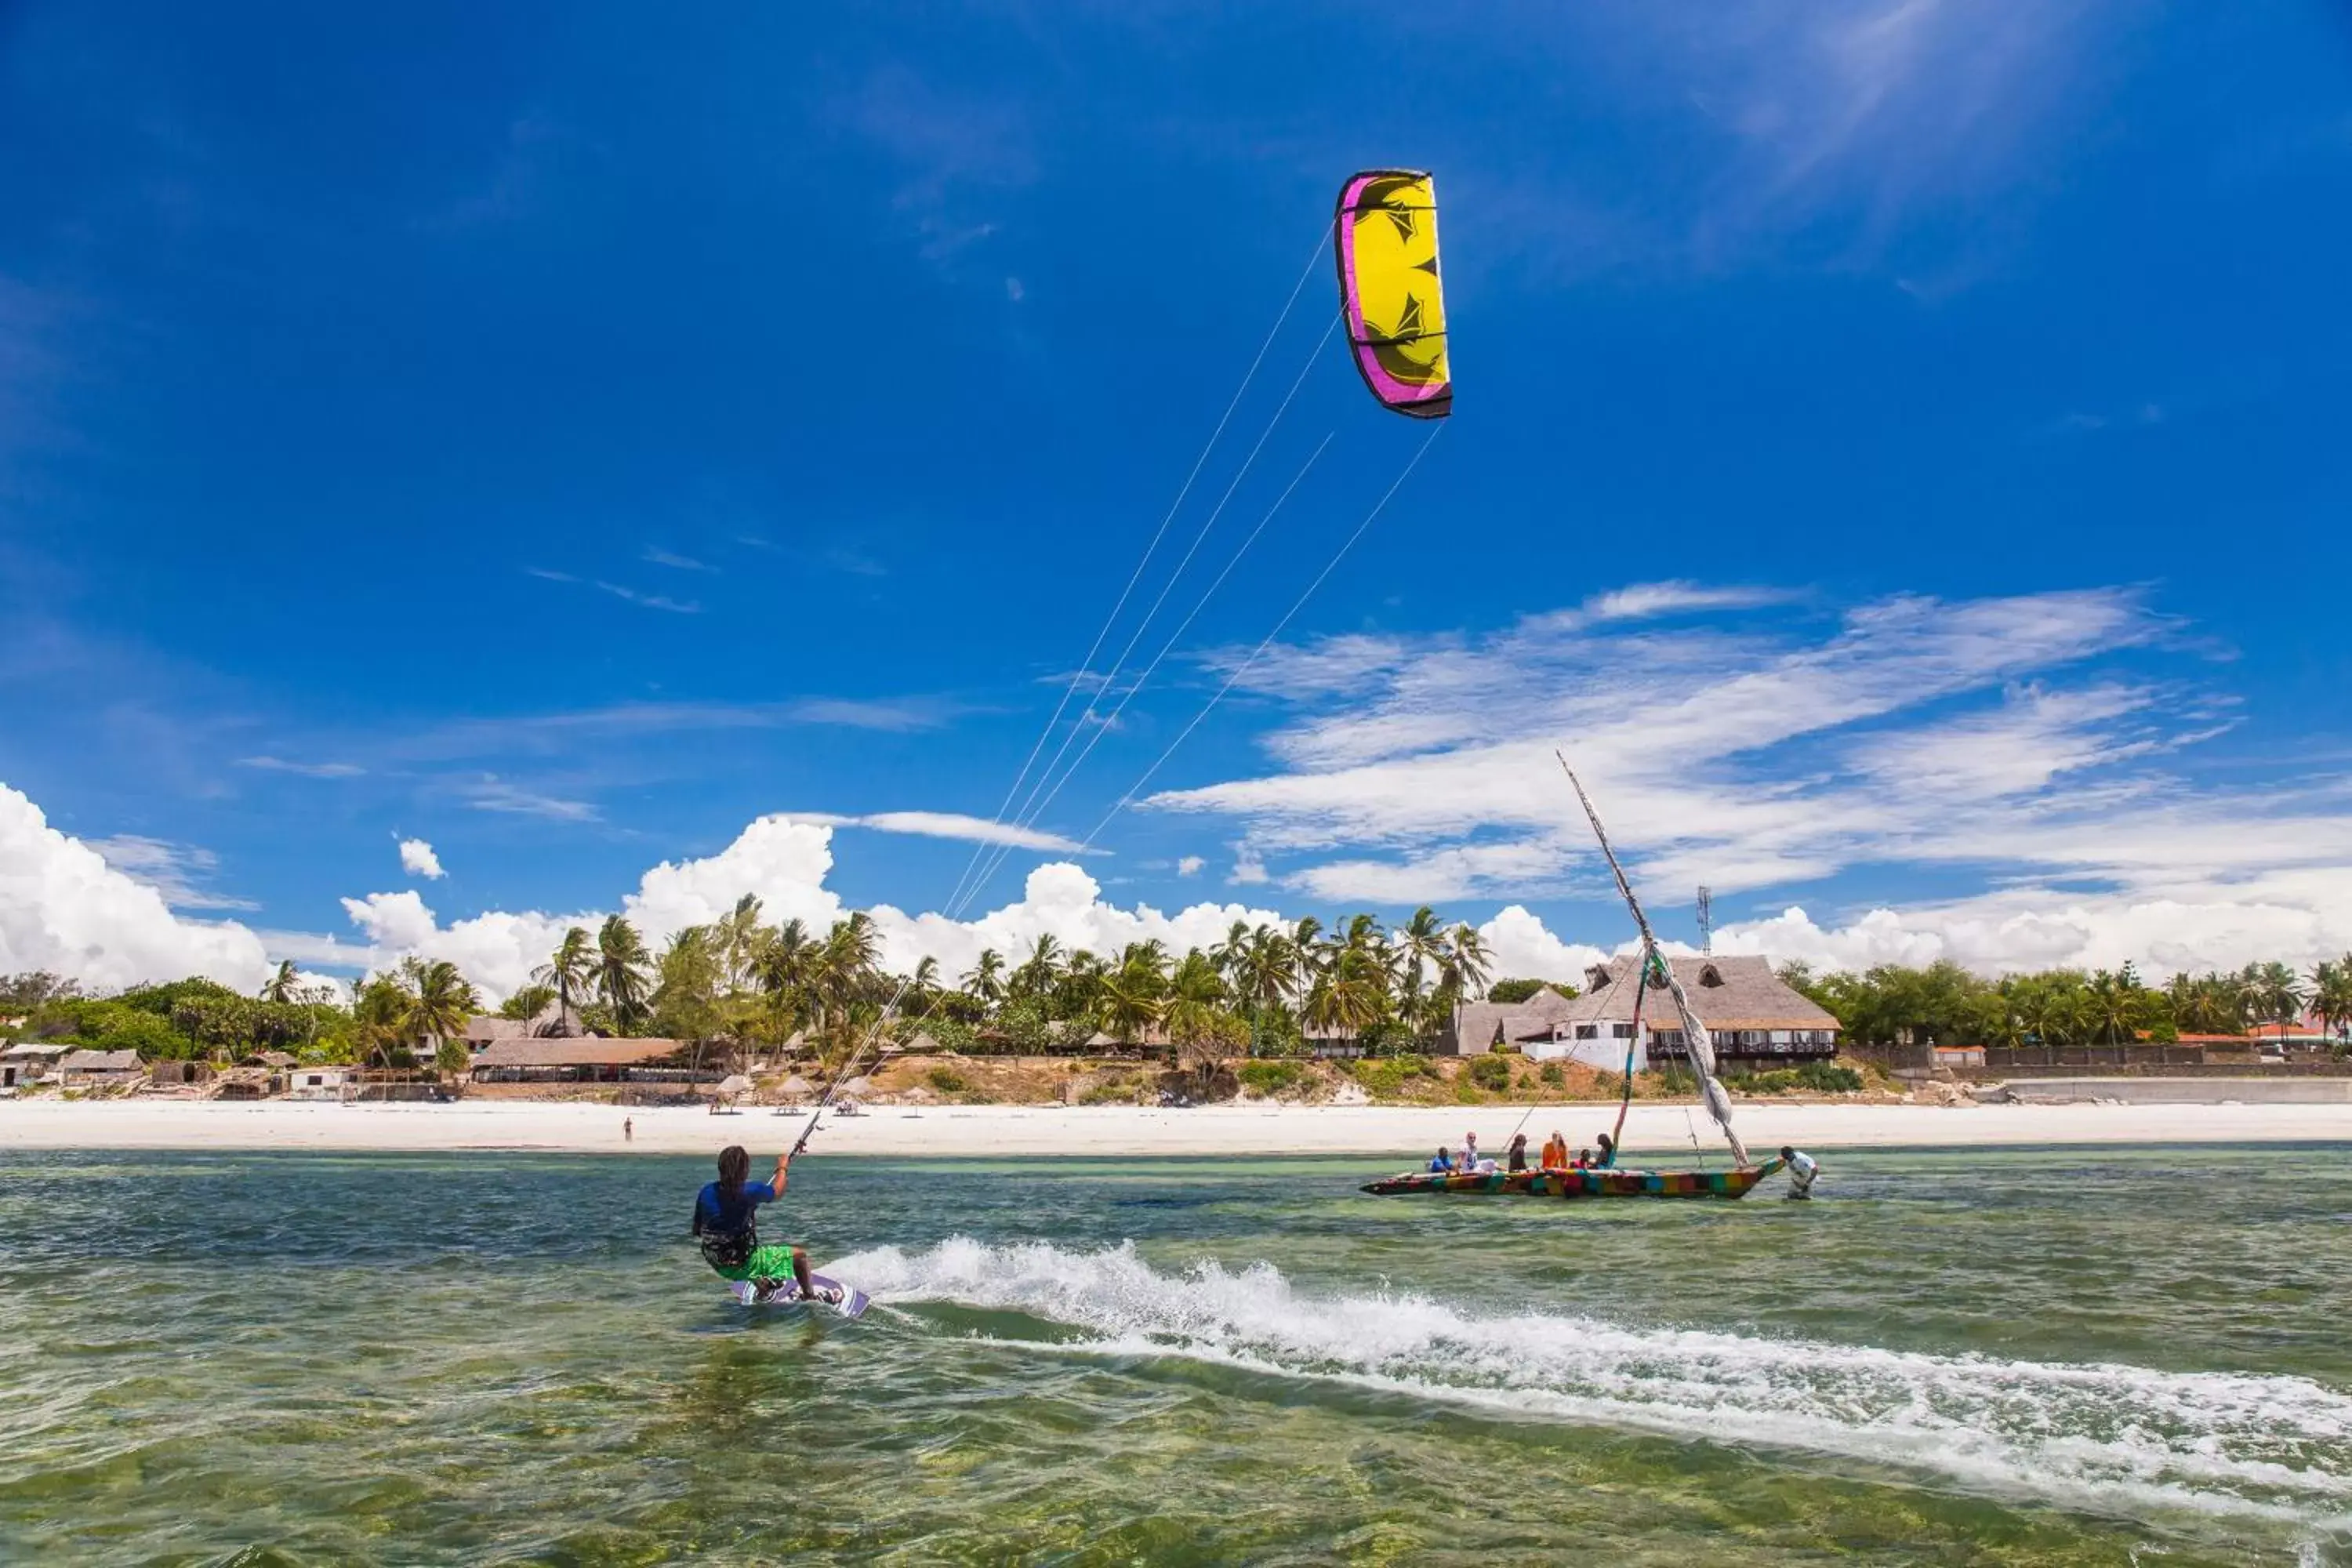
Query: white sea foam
x,y
2112,1437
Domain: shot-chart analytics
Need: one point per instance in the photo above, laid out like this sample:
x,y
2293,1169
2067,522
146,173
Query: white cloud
x,y
416,858
174,870
63,907
1523,949
308,770
490,792
1190,866
947,824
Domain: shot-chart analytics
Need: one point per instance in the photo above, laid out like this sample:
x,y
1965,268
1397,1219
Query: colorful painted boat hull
x,y
1608,1184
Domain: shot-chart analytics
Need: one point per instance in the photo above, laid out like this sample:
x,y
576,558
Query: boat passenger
x,y
1443,1161
1802,1169
1607,1153
1555,1152
1584,1159
1469,1151
1518,1155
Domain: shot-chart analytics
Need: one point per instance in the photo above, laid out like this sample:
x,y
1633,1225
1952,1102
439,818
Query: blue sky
x,y
1899,451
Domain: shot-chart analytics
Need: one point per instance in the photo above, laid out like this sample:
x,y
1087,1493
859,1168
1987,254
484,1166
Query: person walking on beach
x,y
724,1212
628,1129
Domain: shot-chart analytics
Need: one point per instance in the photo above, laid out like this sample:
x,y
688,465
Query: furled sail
x,y
1700,1044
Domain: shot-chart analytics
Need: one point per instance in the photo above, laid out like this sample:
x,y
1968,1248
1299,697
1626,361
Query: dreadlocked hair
x,y
734,1169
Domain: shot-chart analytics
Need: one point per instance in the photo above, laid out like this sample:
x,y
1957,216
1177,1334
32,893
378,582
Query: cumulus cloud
x,y
64,907
1190,866
416,858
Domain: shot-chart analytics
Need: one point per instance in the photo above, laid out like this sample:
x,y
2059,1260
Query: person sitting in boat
x,y
1443,1161
1517,1160
1555,1152
1607,1153
1468,1161
1583,1160
1802,1169
723,1215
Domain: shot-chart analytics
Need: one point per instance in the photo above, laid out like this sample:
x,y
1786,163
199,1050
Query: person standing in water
x,y
724,1212
1802,1169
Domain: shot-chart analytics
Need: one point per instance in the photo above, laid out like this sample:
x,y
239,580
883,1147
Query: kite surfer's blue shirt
x,y
714,1216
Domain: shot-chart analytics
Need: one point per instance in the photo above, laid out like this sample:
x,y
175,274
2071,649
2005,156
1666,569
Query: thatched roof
x,y
576,1053
1727,993
923,1044
100,1061
796,1085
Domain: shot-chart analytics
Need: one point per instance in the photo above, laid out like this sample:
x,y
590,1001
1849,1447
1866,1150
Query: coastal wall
x,y
2265,1090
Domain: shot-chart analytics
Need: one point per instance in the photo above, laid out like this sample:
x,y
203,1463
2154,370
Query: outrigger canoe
x,y
1586,1183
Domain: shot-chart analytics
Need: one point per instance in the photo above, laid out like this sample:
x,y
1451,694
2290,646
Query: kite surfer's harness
x,y
729,1248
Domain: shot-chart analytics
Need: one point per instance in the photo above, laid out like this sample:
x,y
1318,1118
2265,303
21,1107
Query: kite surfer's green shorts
x,y
764,1263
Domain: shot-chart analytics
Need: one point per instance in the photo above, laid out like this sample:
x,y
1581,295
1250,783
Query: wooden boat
x,y
1613,1181
1616,1182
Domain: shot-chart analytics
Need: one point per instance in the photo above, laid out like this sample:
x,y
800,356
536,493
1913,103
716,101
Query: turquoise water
x,y
2029,1356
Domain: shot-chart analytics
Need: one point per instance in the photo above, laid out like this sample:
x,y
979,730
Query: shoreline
x,y
1654,1133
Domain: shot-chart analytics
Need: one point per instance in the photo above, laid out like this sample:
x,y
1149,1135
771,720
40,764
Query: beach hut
x,y
321,1082
100,1069
27,1063
588,1061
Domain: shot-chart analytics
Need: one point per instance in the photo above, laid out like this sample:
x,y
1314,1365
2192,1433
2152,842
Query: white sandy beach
x,y
1394,1132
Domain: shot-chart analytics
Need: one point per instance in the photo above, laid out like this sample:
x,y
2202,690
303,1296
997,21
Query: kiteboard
x,y
852,1305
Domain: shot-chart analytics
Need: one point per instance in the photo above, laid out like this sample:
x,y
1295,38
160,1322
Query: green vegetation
x,y
947,1081
1520,990
1271,1077
1944,1004
1819,1078
1491,1073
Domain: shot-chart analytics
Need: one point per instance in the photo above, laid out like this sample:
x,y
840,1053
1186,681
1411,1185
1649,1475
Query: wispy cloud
x,y
546,732
307,770
661,557
947,824
550,575
174,870
490,792
651,601
1916,732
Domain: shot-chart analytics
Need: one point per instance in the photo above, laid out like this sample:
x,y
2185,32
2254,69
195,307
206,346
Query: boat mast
x,y
1696,1040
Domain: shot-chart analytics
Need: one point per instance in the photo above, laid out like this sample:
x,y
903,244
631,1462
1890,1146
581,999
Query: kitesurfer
x,y
1802,1169
724,1212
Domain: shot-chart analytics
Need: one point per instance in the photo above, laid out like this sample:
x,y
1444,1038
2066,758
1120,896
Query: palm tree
x,y
1462,971
2277,992
2331,990
440,1000
568,973
621,964
284,986
2108,1007
380,1014
986,980
923,988
1037,973
737,938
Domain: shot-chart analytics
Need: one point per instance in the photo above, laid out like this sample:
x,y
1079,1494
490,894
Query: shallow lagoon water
x,y
2026,1357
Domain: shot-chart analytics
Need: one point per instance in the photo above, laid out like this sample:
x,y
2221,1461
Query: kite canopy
x,y
1388,288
